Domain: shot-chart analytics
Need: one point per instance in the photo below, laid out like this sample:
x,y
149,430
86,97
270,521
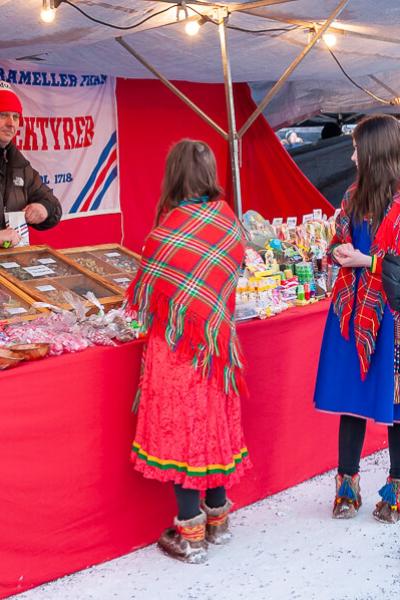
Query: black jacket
x,y
391,280
21,185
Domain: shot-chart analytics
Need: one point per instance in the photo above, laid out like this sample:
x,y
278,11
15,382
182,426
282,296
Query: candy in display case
x,y
15,305
113,262
50,277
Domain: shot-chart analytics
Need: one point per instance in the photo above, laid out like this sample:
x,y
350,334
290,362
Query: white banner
x,y
69,134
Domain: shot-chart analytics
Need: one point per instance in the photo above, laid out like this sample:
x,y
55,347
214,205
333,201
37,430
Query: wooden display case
x,y
15,305
45,275
114,263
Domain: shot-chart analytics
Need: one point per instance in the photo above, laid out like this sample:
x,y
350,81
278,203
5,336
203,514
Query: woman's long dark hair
x,y
377,140
190,172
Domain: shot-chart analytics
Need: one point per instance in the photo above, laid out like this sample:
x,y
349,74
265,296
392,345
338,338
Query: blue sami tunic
x,y
339,388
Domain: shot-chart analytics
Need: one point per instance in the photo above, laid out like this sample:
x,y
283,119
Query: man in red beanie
x,y
21,187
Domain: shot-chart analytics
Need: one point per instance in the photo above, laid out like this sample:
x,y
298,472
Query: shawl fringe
x,y
214,354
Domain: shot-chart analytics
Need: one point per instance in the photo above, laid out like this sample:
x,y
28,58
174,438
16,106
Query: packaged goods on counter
x,y
285,264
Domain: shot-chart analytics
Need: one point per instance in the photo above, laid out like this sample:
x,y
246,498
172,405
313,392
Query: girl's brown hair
x,y
377,141
190,172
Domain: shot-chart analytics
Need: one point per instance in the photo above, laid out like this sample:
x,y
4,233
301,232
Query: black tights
x,y
189,500
351,440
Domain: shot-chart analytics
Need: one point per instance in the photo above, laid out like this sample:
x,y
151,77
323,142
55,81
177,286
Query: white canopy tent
x,y
367,45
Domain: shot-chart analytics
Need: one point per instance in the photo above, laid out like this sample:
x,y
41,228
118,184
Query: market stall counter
x,y
68,496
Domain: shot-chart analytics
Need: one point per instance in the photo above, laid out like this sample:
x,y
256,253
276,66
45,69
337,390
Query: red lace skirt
x,y
188,431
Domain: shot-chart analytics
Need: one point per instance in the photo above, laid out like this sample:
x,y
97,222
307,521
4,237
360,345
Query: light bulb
x,y
47,15
192,27
329,39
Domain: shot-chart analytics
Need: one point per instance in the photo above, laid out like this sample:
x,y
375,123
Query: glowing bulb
x,y
192,27
48,15
330,39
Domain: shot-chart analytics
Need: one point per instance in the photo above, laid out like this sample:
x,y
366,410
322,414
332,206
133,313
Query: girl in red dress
x,y
189,424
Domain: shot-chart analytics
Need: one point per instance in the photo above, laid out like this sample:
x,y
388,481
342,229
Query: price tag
x,y
46,261
17,310
112,254
317,214
39,271
9,265
277,222
308,218
291,222
122,280
45,288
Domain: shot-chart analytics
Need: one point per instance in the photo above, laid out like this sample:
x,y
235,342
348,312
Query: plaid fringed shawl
x,y
185,287
371,299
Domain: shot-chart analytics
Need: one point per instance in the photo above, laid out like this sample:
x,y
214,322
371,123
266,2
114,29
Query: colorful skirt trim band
x,y
185,467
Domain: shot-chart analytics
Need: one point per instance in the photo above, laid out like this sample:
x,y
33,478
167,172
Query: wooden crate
x,y
22,308
44,274
107,261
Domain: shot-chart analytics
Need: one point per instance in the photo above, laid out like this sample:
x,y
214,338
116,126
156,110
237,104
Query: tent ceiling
x,y
73,42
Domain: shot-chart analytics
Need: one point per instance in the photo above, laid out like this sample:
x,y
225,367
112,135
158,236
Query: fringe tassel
x,y
215,352
389,495
346,491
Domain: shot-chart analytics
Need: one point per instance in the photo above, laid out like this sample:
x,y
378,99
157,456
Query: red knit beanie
x,y
9,101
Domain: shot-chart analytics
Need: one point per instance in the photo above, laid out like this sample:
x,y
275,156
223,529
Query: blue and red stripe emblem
x,y
99,180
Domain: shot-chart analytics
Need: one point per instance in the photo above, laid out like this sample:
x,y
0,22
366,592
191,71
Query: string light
x,y
48,12
192,27
330,39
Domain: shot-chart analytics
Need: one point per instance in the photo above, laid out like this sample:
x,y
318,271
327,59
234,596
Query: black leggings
x,y
351,440
189,500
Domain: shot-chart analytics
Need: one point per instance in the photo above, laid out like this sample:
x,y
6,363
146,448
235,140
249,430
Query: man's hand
x,y
35,213
9,235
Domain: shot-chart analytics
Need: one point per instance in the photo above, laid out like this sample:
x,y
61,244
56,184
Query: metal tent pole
x,y
232,132
172,87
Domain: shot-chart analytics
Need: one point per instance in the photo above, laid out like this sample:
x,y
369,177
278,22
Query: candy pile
x,y
285,265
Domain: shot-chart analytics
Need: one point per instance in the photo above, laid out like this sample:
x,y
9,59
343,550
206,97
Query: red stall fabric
x,y
68,495
272,183
150,120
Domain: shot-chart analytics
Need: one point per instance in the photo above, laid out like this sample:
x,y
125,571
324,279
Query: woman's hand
x,y
9,235
343,251
354,259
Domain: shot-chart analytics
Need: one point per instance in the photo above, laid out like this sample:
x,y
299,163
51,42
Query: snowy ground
x,y
286,547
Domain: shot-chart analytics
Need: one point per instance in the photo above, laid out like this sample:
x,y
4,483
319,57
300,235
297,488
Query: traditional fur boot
x,y
387,510
186,541
217,528
348,497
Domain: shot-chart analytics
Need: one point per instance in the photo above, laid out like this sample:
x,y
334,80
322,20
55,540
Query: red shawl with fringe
x,y
185,287
371,299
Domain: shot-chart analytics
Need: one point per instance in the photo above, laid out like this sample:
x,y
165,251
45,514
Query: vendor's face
x,y
9,122
354,155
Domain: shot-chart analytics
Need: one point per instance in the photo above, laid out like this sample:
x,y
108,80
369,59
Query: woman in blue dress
x,y
356,368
